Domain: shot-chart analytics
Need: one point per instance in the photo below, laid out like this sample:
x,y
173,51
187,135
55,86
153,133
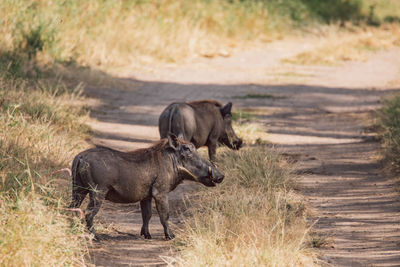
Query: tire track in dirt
x,y
318,121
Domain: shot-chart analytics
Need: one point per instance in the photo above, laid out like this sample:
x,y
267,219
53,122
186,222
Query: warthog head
x,y
191,165
229,137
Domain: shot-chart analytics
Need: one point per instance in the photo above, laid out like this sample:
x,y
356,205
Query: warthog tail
x,y
78,189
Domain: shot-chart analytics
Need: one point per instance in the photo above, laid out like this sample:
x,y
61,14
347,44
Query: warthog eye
x,y
228,117
185,152
187,148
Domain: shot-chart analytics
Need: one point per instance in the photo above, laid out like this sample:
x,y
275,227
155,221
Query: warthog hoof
x,y
146,235
169,236
95,237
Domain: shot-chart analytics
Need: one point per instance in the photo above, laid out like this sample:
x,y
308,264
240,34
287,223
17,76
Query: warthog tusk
x,y
181,168
209,171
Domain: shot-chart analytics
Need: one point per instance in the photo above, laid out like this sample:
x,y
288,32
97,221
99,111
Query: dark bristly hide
x,y
204,123
140,175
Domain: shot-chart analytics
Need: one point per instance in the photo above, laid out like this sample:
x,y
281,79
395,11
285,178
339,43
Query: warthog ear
x,y
226,109
173,141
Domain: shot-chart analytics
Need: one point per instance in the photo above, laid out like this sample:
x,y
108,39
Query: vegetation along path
x,y
316,115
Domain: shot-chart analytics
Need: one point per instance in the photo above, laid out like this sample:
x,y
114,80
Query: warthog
x,y
139,175
204,123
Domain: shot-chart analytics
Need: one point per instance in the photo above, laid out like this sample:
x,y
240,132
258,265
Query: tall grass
x,y
389,121
41,128
246,125
122,33
252,219
35,234
115,33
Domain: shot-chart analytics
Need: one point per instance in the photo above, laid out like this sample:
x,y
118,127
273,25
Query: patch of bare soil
x,y
319,120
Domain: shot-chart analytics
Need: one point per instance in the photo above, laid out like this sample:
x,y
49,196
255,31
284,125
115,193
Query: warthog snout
x,y
237,144
215,175
192,166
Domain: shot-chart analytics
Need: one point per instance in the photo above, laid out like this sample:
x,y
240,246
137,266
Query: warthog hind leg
x,y
96,198
78,195
145,206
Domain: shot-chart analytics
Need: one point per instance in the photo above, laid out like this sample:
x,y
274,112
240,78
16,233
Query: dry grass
x,y
334,46
247,126
41,128
251,132
34,234
116,35
122,33
389,123
252,219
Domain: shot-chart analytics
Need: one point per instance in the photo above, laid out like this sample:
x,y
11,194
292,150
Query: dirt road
x,y
318,119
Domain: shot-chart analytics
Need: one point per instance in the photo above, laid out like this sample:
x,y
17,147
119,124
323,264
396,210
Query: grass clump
x,y
252,219
34,234
253,132
246,125
389,122
41,129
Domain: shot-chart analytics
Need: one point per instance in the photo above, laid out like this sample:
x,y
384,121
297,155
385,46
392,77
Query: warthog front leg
x,y
145,206
163,211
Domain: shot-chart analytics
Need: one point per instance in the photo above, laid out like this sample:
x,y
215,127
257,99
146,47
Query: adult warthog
x,y
139,175
204,123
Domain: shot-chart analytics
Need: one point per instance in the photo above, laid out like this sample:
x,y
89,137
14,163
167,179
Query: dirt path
x,y
318,120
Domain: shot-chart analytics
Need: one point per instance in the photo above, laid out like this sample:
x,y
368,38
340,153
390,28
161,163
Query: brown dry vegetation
x,y
35,234
246,125
389,123
121,33
46,48
117,34
41,129
253,219
334,45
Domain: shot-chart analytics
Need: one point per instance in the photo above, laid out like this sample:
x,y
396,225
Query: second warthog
x,y
204,123
140,175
